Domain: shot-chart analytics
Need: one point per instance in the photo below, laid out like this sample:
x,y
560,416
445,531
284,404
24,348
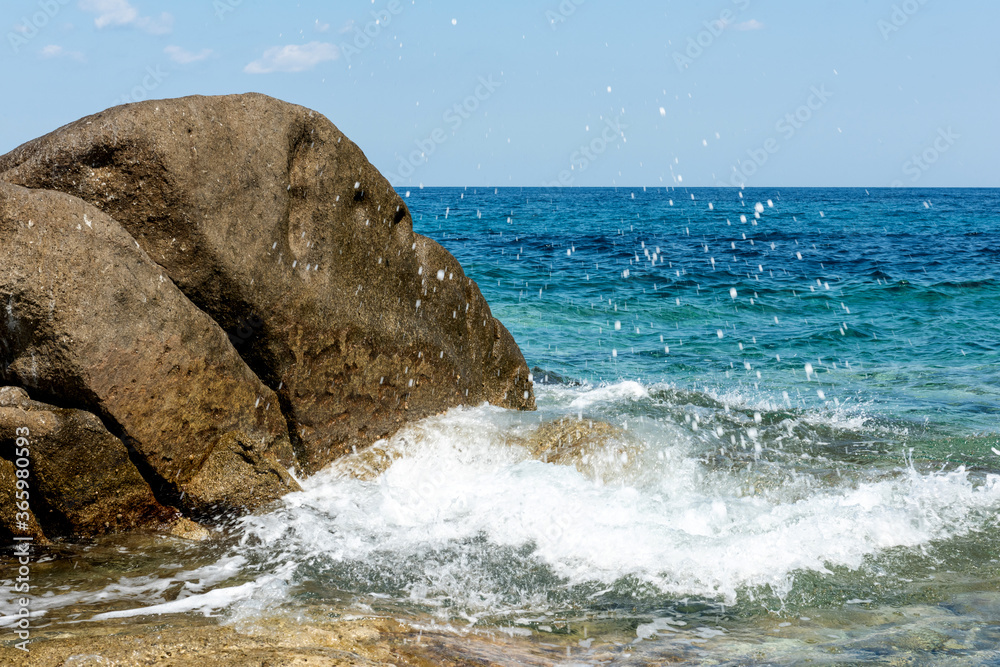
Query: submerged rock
x,y
93,323
595,448
543,376
189,530
275,224
346,640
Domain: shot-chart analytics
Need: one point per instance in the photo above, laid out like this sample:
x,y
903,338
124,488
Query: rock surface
x,y
12,523
89,321
595,448
195,641
81,480
275,224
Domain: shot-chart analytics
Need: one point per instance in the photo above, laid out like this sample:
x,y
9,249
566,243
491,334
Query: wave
x,y
673,493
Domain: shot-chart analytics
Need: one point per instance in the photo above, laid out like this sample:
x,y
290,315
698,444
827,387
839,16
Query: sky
x,y
775,93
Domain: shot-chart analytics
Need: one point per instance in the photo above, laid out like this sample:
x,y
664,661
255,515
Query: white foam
x,y
10,617
463,491
275,586
853,417
612,393
141,590
683,530
204,602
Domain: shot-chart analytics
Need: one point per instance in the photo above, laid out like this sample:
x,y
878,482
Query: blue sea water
x,y
800,462
892,295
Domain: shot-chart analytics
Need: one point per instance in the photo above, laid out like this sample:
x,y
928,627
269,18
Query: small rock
x,y
189,530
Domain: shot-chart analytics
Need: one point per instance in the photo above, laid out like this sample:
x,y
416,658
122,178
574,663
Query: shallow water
x,y
804,461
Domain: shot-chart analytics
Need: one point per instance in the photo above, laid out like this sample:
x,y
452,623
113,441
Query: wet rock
x,y
13,522
237,470
543,376
81,481
369,463
89,321
274,223
193,640
198,642
595,448
189,530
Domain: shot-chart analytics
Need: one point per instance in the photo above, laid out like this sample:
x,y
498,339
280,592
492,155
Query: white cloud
x,y
752,24
156,26
293,58
56,51
122,13
110,12
322,27
185,57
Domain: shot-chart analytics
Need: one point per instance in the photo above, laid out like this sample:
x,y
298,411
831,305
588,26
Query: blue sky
x,y
578,92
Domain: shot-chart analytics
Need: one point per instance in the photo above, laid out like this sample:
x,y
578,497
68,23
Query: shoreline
x,y
181,640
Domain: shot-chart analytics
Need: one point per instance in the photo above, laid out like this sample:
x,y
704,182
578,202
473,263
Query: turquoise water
x,y
891,295
800,462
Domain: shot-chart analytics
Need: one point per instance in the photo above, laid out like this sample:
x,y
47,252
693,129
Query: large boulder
x,y
275,224
90,321
80,478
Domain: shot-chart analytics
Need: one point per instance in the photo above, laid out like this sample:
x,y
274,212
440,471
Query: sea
x,y
800,462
